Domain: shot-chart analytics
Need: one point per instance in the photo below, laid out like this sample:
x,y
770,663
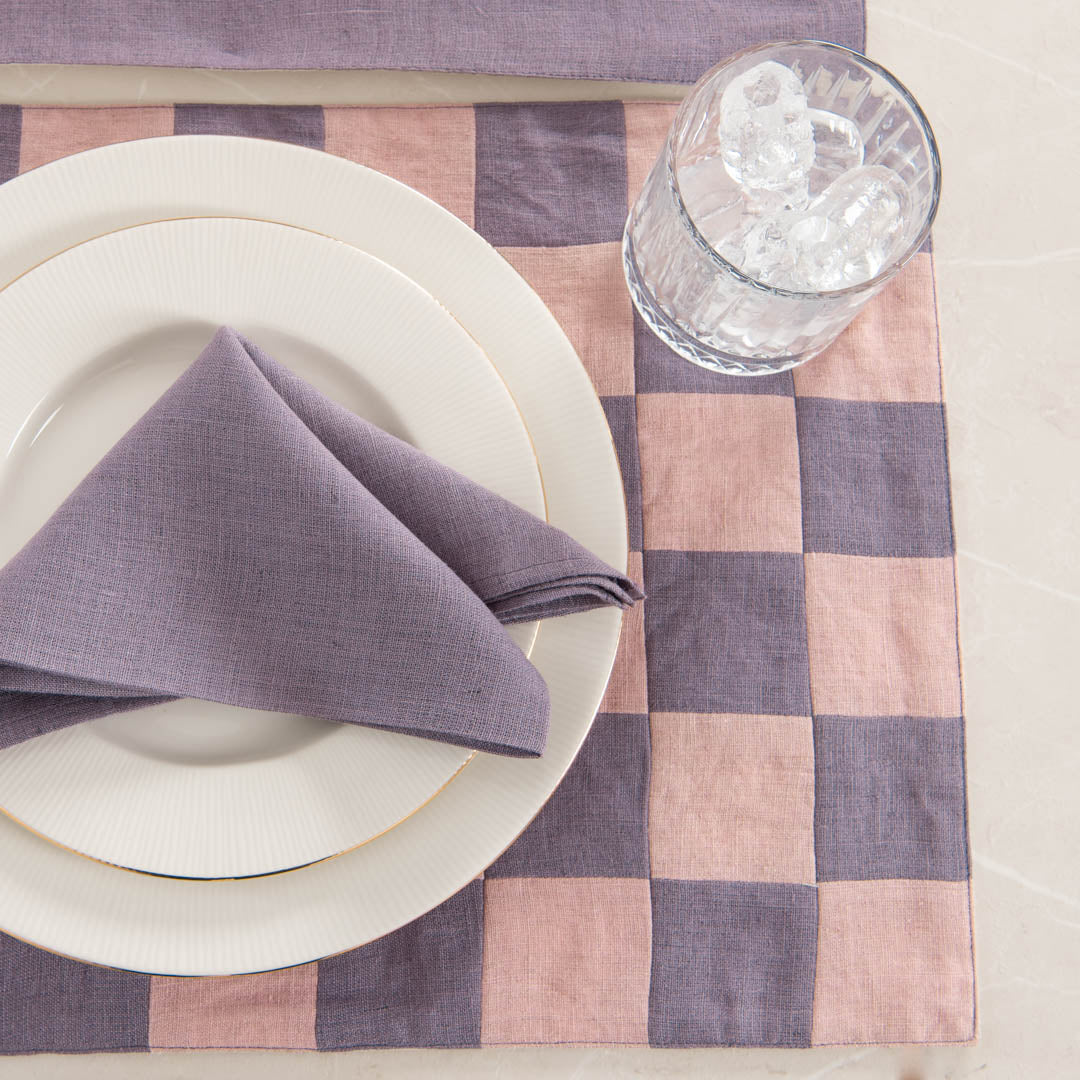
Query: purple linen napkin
x,y
251,542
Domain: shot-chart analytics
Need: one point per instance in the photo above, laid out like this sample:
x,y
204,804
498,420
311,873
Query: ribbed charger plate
x,y
86,909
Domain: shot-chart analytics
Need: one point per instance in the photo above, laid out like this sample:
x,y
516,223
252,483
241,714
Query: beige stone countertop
x,y
1001,85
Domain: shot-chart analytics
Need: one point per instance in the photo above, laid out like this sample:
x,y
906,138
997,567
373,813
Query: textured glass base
x,y
684,343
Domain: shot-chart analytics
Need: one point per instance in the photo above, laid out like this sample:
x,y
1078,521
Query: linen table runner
x,y
763,841
635,40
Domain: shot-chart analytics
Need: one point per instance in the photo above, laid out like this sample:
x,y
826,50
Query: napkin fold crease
x,y
251,542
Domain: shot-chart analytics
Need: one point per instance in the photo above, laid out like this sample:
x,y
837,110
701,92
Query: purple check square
x,y
10,138
622,418
301,124
660,370
874,478
725,632
596,823
48,1002
889,799
417,986
733,963
550,174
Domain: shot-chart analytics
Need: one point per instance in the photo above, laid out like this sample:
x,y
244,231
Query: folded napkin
x,y
251,542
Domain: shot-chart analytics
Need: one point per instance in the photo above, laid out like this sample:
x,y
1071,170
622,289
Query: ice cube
x,y
851,229
838,147
766,137
761,249
818,255
871,205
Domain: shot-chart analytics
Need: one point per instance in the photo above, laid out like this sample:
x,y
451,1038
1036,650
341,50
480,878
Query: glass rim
x,y
898,263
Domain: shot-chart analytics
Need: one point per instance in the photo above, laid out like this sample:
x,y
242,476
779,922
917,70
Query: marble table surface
x,y
1001,86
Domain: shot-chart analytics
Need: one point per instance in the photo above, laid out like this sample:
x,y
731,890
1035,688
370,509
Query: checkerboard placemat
x,y
763,841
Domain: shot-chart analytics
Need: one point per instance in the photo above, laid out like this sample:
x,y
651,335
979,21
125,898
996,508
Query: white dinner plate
x,y
90,339
95,912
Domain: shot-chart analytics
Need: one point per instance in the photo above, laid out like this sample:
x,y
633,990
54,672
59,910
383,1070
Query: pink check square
x,y
890,351
647,124
275,1009
881,634
894,963
719,472
566,960
432,150
732,797
50,133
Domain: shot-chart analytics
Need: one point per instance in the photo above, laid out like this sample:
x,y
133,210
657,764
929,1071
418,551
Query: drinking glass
x,y
702,304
